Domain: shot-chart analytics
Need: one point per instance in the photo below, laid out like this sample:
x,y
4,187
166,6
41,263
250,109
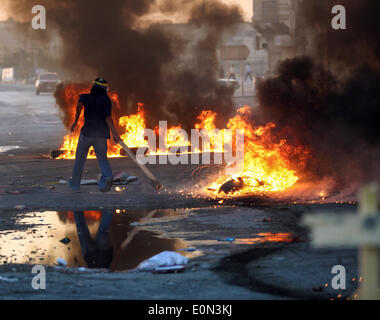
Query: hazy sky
x,y
3,15
246,5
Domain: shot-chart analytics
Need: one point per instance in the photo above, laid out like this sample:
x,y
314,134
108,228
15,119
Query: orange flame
x,y
266,164
134,126
266,168
267,237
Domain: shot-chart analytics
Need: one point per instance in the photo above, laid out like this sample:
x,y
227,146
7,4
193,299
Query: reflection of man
x,y
97,253
118,245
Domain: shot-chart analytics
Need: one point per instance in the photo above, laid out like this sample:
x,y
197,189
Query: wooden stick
x,y
135,231
127,241
154,182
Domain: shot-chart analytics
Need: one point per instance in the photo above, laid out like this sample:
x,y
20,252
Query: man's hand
x,y
116,138
74,126
115,135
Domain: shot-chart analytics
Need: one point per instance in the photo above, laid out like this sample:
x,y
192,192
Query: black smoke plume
x,y
173,75
329,101
342,49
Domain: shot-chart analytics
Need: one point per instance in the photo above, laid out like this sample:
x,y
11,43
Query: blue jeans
x,y
97,253
101,241
100,147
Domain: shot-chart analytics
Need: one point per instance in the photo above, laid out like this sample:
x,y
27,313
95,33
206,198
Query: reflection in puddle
x,y
257,238
113,239
93,239
267,237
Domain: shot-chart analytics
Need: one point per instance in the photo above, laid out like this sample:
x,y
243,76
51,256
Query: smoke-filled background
x,y
326,100
329,100
175,77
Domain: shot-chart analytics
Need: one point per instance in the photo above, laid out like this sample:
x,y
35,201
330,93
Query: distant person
x,y
95,132
98,253
248,72
231,73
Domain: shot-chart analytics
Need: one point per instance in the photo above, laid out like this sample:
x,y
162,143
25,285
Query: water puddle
x,y
93,239
265,237
257,238
120,239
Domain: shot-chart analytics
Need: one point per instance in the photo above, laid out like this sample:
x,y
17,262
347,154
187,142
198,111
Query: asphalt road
x,y
247,269
29,124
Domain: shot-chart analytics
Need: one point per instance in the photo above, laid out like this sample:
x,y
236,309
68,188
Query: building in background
x,y
244,45
277,22
244,52
239,46
276,12
24,50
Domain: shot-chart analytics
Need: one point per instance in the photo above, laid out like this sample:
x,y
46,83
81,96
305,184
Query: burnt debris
x,y
231,186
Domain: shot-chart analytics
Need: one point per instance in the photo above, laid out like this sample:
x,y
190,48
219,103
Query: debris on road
x,y
227,240
9,192
120,177
19,207
231,186
62,262
65,240
82,182
171,269
56,153
88,182
163,259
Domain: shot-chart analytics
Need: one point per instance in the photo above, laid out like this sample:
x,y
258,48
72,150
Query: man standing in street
x,y
231,72
95,132
248,72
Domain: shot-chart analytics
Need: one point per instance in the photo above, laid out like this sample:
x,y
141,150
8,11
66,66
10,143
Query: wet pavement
x,y
205,235
250,249
29,123
77,236
93,238
235,253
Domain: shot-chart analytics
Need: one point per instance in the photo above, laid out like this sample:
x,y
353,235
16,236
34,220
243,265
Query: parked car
x,y
47,82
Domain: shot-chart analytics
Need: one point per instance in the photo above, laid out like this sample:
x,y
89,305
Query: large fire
x,y
266,167
133,128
